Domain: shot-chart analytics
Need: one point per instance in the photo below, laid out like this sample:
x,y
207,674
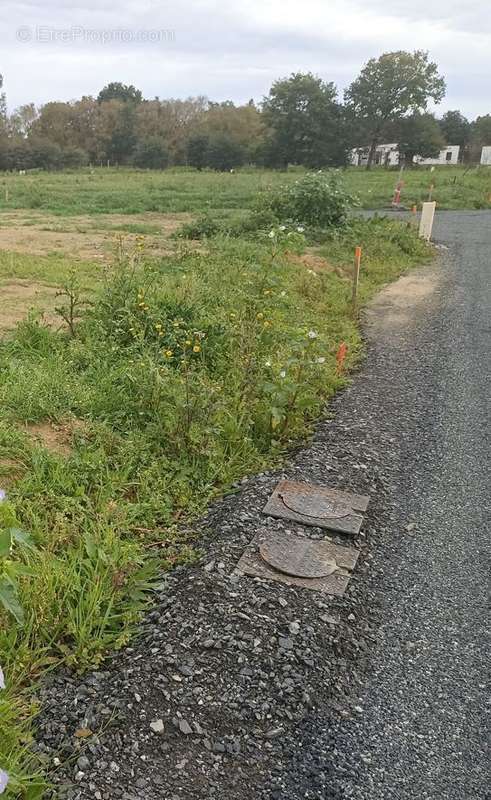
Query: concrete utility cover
x,y
317,505
267,558
294,556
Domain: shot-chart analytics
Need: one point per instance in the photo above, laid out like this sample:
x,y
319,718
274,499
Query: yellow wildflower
x,y
196,348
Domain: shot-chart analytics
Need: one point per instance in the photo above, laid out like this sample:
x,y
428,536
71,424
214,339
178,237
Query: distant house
x,y
449,156
486,156
387,155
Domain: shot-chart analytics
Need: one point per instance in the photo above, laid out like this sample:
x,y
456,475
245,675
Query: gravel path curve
x,y
240,689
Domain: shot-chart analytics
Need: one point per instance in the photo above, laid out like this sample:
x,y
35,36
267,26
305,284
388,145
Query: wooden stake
x,y
356,279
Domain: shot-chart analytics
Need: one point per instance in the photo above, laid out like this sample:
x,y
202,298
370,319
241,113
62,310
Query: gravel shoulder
x,y
238,688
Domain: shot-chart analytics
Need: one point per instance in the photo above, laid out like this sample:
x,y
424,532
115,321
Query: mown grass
x,y
130,191
186,373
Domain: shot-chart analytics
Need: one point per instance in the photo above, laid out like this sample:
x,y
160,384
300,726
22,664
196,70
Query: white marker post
x,y
426,221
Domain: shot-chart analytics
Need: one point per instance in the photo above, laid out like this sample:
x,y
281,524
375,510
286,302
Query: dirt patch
x,y
85,237
19,297
10,471
397,304
316,263
55,437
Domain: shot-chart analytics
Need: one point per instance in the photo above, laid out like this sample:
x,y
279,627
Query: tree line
x,y
301,121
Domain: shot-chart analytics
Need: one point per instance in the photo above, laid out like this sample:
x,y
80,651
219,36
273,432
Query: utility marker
x,y
356,279
426,221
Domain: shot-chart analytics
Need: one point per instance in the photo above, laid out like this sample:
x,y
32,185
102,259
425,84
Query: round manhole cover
x,y
313,504
300,558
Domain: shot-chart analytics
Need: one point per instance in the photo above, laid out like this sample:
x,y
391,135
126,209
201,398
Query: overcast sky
x,y
234,49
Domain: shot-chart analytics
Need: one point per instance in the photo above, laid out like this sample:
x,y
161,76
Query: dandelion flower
x,y
196,348
260,315
312,335
169,353
158,326
188,342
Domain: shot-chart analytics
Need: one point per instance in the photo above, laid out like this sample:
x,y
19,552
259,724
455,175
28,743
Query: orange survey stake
x,y
340,357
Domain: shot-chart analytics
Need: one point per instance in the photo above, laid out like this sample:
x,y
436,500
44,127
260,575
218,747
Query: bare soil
x,y
82,237
18,297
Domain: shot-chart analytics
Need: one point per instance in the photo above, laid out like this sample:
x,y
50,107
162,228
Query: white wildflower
x,y
321,360
312,335
267,363
271,234
300,229
283,373
283,293
282,227
4,779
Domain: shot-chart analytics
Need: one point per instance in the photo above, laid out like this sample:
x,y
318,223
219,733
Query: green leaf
x,y
21,537
5,543
10,601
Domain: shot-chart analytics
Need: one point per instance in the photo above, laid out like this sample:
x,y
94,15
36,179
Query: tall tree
x,y
306,122
419,135
455,128
480,135
120,91
390,87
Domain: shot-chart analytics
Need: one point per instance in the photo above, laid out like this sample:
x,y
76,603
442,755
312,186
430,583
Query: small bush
x,y
200,228
317,200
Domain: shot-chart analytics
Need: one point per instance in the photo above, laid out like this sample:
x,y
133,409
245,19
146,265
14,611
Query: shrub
x,y
200,228
318,200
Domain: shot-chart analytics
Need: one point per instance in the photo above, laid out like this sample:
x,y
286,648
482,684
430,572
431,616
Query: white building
x,y
486,156
386,155
449,156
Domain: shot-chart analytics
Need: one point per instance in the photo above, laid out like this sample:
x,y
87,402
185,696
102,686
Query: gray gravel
x,y
242,689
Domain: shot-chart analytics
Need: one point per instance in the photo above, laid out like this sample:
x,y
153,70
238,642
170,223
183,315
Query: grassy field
x,y
129,191
141,376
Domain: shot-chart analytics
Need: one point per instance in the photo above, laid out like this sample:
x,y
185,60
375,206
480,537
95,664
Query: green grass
x,y
186,373
130,191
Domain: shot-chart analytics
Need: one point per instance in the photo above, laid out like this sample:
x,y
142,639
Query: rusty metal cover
x,y
253,563
308,501
294,556
320,506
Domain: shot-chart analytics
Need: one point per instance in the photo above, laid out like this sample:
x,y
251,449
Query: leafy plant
x,y
318,199
13,542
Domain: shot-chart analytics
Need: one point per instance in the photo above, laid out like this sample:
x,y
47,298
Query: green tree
x,y
455,128
119,91
419,135
391,87
151,153
224,153
305,122
197,150
480,136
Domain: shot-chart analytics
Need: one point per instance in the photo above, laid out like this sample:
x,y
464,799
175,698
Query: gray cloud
x,y
234,49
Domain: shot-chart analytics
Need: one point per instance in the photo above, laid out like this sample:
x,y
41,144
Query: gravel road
x,y
239,689
422,723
